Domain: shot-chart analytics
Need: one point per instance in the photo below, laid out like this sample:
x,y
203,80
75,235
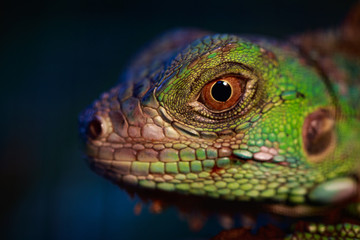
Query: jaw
x,y
226,178
205,192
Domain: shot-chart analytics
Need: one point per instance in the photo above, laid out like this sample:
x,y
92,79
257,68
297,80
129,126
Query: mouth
x,y
229,178
143,159
239,183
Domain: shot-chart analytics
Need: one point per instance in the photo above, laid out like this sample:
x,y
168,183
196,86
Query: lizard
x,y
239,120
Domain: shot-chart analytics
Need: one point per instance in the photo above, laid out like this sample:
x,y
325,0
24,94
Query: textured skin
x,y
155,134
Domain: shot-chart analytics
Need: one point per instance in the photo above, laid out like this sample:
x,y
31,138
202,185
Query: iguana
x,y
238,121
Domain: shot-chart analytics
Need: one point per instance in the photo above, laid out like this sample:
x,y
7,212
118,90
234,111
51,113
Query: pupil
x,y
221,91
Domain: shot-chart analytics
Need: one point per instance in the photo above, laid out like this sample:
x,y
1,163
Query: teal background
x,y
56,57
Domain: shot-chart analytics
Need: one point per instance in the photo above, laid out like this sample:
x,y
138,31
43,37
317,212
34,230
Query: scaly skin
x,y
292,139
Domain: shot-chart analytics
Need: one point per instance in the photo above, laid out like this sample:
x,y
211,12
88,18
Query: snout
x,y
89,126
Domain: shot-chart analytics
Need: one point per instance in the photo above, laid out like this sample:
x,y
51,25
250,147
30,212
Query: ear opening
x,y
318,134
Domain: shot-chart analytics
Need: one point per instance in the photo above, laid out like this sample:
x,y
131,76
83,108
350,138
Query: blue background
x,y
56,57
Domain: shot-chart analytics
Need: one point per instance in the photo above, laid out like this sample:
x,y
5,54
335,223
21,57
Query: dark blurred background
x,y
56,57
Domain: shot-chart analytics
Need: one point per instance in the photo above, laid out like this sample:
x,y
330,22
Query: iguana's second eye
x,y
222,93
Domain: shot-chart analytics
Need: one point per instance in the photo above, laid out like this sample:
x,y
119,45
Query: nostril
x,y
95,128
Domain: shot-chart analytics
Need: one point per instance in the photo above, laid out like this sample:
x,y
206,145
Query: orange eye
x,y
222,93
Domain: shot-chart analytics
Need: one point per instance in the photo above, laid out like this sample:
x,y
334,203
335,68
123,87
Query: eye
x,y
222,93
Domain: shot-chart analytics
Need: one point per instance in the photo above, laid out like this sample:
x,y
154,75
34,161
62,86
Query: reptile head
x,y
225,117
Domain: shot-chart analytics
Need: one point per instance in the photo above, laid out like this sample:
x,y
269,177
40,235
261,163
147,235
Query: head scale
x,y
281,139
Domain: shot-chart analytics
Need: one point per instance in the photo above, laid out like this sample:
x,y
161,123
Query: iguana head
x,y
225,117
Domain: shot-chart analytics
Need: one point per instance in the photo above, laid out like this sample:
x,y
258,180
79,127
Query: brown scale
x,y
321,46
